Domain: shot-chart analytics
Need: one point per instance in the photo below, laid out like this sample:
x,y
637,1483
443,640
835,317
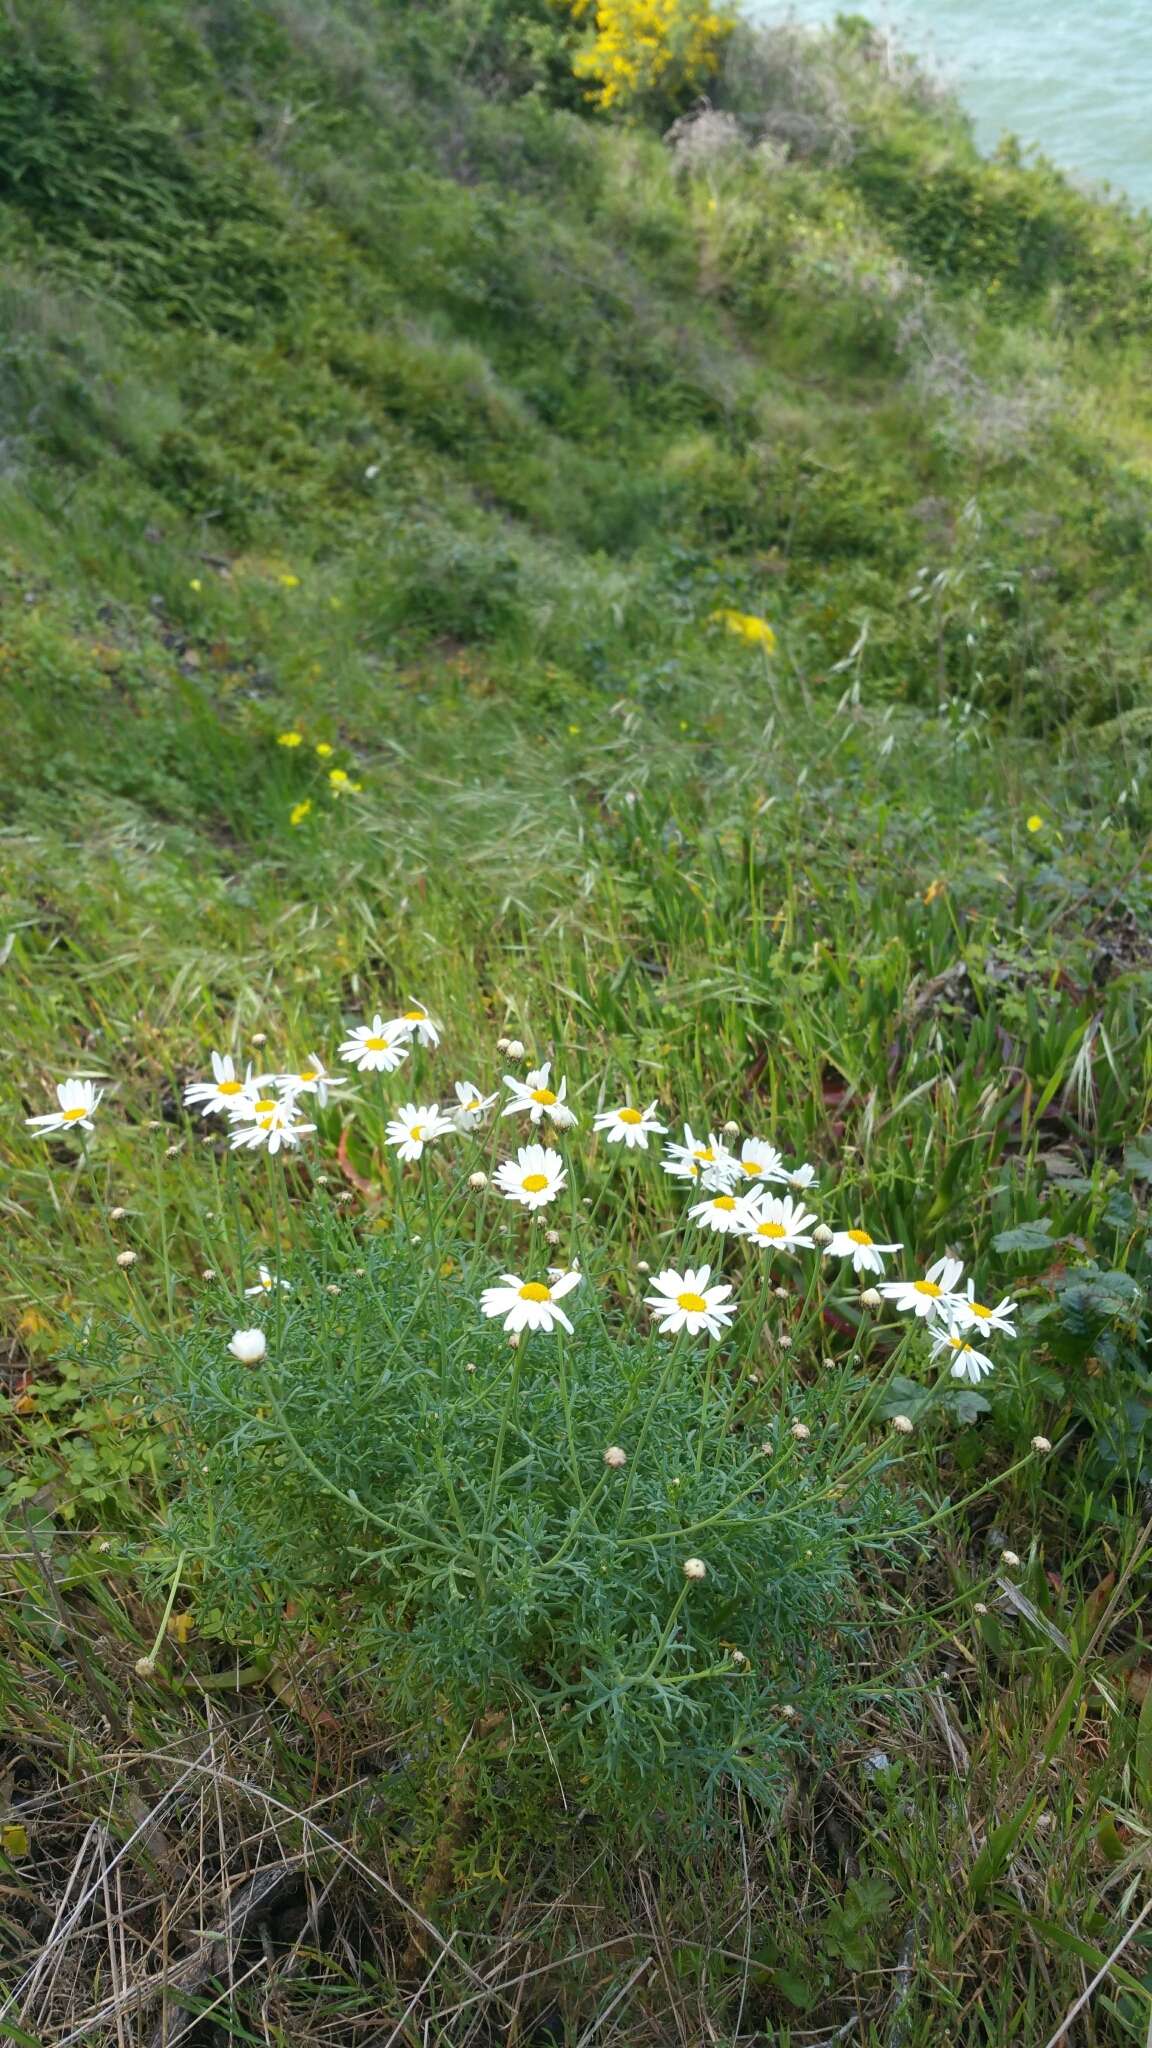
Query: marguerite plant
x,y
628,1126
77,1101
535,1097
535,1177
531,1304
376,1048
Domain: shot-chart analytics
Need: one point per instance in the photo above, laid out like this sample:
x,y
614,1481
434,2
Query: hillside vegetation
x,y
662,578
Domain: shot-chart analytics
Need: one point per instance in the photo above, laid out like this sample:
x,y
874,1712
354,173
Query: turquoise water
x,y
1072,76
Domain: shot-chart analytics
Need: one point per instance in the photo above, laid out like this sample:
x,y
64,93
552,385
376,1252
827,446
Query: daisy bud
x,y
471,1365
154,1123
360,1272
695,1568
345,1195
477,1180
731,1130
552,1236
642,1266
822,1234
125,1258
903,1425
1041,1445
789,1713
614,1457
738,1657
514,1341
978,1607
514,1049
322,1179
784,1341
117,1215
1009,1558
209,1273
248,1346
870,1298
145,1667
781,1293
801,1432
332,1287
502,1044
259,1038
172,1151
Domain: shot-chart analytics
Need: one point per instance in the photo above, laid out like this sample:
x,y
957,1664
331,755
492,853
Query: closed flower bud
x,y
784,1341
1041,1444
172,1151
731,1130
738,1657
514,1341
259,1038
978,1607
345,1195
117,1214
248,1346
209,1273
477,1180
145,1667
552,1236
614,1457
695,1568
125,1258
903,1425
870,1297
642,1266
1009,1558
789,1713
502,1044
822,1234
514,1049
332,1287
801,1432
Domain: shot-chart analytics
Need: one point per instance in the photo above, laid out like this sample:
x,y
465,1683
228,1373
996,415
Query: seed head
x,y
1041,1445
979,1607
345,1195
822,1234
1009,1558
145,1667
614,1457
903,1425
552,1236
801,1432
695,1568
125,1258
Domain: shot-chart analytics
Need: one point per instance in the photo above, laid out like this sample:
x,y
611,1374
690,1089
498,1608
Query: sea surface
x,y
1073,77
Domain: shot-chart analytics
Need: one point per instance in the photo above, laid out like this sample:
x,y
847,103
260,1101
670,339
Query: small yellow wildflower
x,y
323,749
289,739
934,890
289,582
194,583
573,730
1035,823
342,782
746,626
299,812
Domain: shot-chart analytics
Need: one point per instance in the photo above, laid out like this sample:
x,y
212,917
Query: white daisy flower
x,y
376,1048
684,1301
312,1078
866,1255
472,1106
756,1160
535,1177
274,1124
416,1023
775,1222
415,1126
928,1297
530,1304
77,1100
534,1096
629,1126
967,1362
267,1282
695,1156
801,1177
225,1092
721,1212
970,1314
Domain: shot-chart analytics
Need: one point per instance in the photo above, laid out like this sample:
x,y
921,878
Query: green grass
x,y
354,381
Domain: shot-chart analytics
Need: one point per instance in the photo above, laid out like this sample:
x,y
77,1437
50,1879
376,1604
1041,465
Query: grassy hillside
x,y
382,433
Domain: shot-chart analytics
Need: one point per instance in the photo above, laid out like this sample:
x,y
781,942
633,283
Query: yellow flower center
x,y
230,1087
473,1104
695,1304
704,1152
70,1115
416,1131
771,1230
532,1290
263,1107
414,1016
858,1236
544,1095
630,1116
309,1074
375,1045
958,1344
724,1202
533,1182
751,1167
927,1287
978,1309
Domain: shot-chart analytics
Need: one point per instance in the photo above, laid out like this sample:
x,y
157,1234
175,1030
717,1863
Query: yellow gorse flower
x,y
641,47
746,626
